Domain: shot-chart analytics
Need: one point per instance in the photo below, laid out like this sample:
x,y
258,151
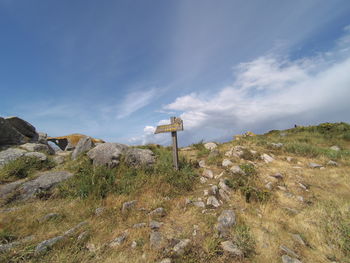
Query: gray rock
x,y
203,180
212,201
99,211
7,189
139,157
6,247
139,225
47,244
267,158
58,159
107,154
199,204
40,156
314,165
119,240
9,135
165,260
277,145
269,186
210,146
278,176
224,195
83,236
44,182
226,220
160,211
226,163
42,137
231,248
335,148
23,127
237,170
9,155
180,247
72,231
84,145
288,251
213,190
201,164
155,224
133,244
288,259
37,147
128,205
156,240
208,173
224,186
332,163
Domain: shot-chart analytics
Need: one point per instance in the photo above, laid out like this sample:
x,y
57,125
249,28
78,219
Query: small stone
x,y
289,159
210,146
139,225
332,163
298,239
58,159
288,251
224,186
335,148
303,186
180,247
155,224
160,211
267,158
206,192
213,190
212,201
277,176
38,155
99,211
128,205
199,204
291,210
223,194
288,259
208,173
91,247
165,260
237,170
226,220
315,165
300,198
269,186
233,249
201,164
119,240
203,180
133,244
282,188
156,240
277,145
226,163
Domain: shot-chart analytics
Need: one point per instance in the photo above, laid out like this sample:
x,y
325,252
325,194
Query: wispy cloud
x,y
269,92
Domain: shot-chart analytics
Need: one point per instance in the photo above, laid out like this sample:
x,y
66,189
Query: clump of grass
x,y
248,155
247,184
23,167
244,240
6,236
201,150
336,227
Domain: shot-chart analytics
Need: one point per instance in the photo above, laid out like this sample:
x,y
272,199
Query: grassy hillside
x,y
304,209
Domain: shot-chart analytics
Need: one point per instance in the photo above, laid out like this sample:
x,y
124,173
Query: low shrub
x,y
201,150
244,240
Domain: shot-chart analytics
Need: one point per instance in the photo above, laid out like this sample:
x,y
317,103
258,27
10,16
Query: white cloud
x,y
271,92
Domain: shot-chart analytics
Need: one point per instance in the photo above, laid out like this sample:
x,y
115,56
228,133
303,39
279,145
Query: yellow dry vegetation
x,y
74,138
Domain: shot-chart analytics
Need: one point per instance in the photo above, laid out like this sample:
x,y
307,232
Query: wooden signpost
x,y
175,125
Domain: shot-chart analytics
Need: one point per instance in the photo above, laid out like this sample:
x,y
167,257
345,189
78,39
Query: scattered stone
x,y
224,186
128,205
155,224
7,189
201,164
208,173
223,194
205,192
91,247
139,157
74,229
282,188
288,251
315,165
213,190
225,221
119,240
9,155
41,156
232,248
99,211
288,259
44,182
269,186
47,244
133,244
203,180
156,240
180,247
226,163
332,163
276,145
9,246
278,176
84,145
165,260
289,159
199,204
219,175
237,170
212,201
303,186
335,148
37,147
160,211
139,225
107,154
267,158
298,239
300,198
210,146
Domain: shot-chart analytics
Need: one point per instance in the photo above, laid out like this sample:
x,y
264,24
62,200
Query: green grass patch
x,y
201,150
245,241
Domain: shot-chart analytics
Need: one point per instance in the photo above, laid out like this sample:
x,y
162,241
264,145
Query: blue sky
x,y
116,69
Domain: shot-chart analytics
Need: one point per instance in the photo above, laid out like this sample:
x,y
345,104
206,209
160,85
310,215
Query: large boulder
x,y
84,145
139,157
9,135
23,127
38,147
10,154
107,154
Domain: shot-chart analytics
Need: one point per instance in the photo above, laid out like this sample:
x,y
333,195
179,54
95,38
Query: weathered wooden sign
x,y
176,124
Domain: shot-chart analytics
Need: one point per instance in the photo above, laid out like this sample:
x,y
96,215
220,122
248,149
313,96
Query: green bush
x,y
23,167
244,240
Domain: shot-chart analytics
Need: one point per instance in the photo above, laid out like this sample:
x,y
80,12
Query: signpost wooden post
x,y
175,125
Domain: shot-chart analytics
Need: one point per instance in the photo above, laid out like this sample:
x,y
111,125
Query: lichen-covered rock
x,y
225,221
231,248
40,156
139,157
108,154
84,145
157,241
37,147
212,201
9,155
210,146
180,247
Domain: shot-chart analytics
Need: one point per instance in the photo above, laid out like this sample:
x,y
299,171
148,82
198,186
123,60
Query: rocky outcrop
x,y
84,145
108,154
69,142
9,155
139,157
